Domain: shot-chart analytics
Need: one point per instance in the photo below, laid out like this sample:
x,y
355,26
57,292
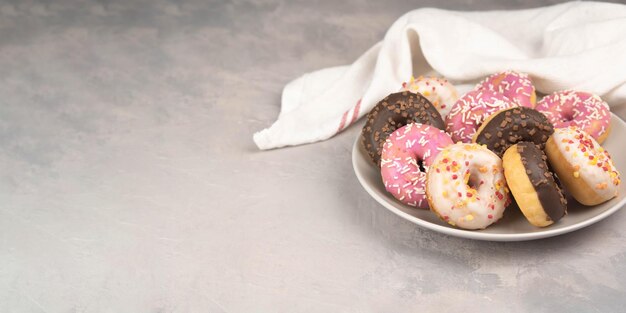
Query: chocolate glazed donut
x,y
393,112
533,185
504,128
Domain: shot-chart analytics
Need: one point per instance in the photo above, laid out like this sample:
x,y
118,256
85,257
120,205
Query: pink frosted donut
x,y
516,86
471,110
439,91
406,156
576,108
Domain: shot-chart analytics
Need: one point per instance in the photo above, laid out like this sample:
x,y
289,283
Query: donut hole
x,y
473,181
400,121
568,116
420,165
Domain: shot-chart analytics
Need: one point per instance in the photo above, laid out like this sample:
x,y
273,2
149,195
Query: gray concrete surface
x,y
129,181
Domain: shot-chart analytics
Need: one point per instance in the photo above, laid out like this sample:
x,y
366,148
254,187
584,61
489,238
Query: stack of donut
x,y
462,157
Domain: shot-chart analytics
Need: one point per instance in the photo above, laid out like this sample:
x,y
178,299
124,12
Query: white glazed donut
x,y
583,166
439,91
465,186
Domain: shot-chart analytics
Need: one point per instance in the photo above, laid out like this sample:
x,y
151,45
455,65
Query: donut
x,y
577,108
465,186
469,112
393,112
406,156
505,128
533,185
516,86
438,91
583,166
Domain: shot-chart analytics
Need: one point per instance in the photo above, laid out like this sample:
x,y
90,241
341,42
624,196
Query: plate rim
x,y
477,235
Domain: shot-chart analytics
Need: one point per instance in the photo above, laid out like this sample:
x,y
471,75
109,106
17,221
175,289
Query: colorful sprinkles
x,y
576,108
467,186
592,152
589,162
441,93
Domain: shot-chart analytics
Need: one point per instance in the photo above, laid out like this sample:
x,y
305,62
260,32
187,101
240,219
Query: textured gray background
x,y
129,181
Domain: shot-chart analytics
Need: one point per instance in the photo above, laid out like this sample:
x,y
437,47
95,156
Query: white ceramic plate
x,y
513,226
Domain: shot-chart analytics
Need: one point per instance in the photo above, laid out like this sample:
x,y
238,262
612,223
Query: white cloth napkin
x,y
577,45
